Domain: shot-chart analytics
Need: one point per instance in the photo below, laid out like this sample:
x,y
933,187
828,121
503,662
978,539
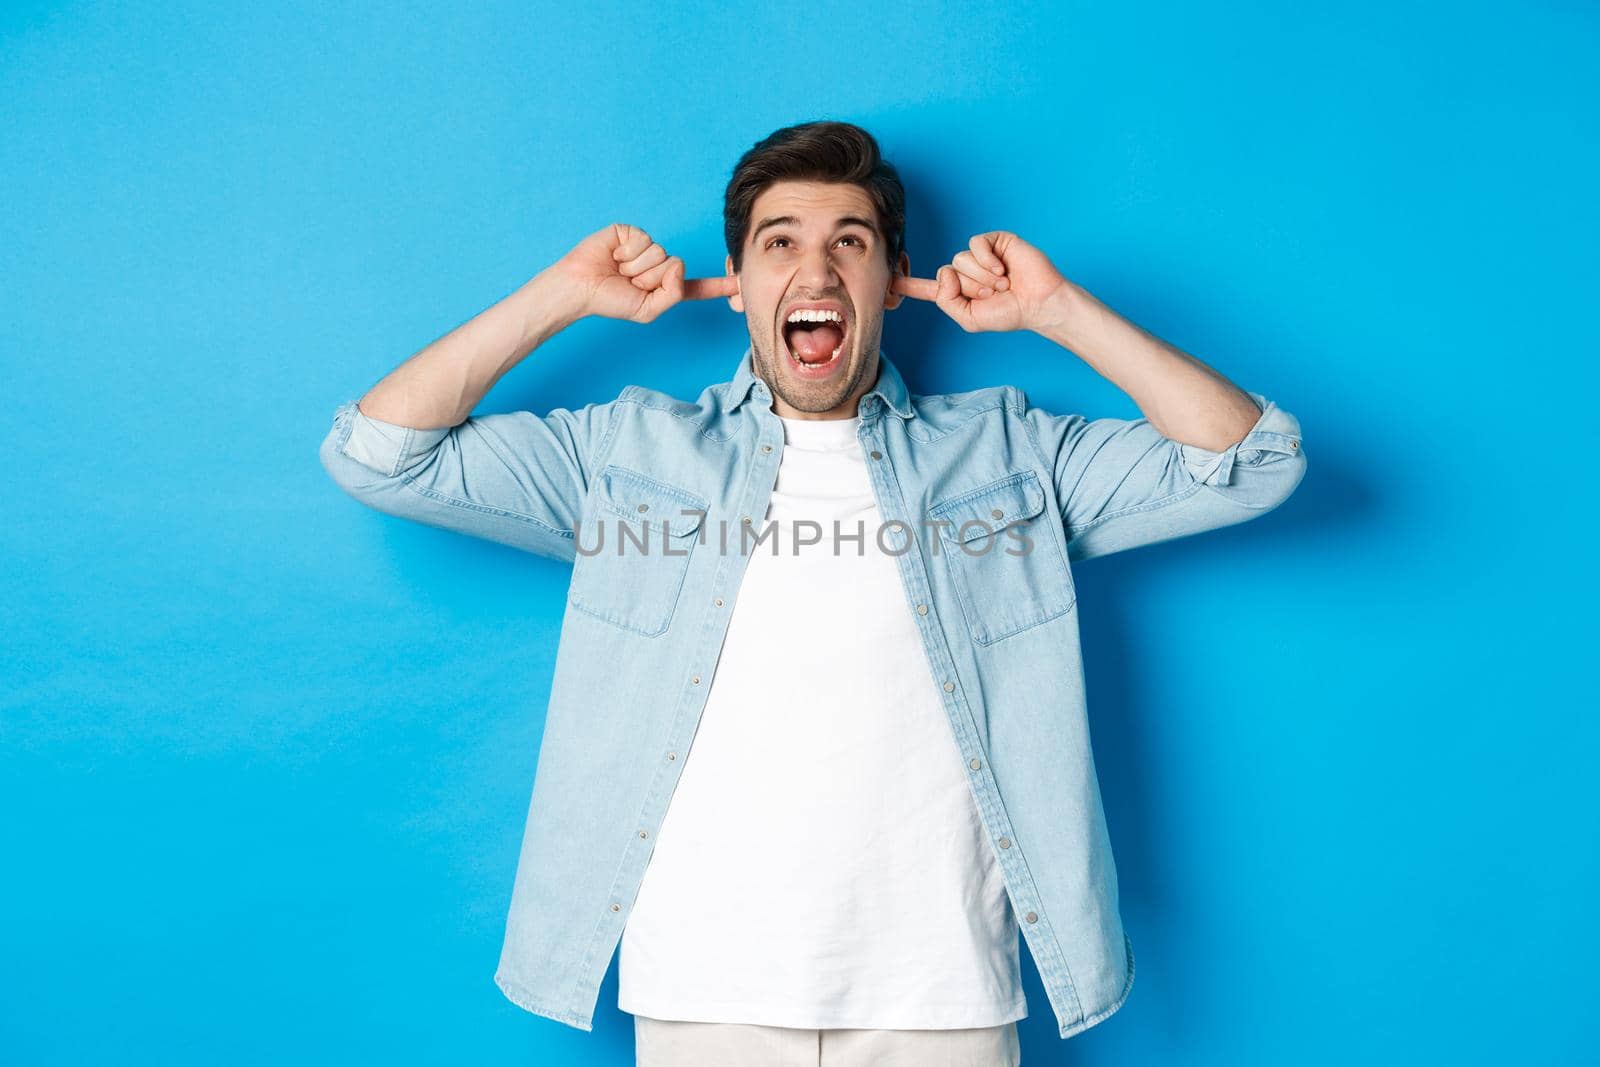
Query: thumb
x,y
669,293
950,300
672,284
949,287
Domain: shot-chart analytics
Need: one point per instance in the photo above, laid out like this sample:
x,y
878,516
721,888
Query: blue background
x,y
266,755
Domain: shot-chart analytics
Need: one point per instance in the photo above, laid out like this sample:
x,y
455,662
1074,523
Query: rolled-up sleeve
x,y
1121,483
516,478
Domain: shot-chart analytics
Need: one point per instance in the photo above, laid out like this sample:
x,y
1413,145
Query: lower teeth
x,y
824,363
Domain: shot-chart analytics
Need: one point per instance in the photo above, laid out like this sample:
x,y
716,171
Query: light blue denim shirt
x,y
987,502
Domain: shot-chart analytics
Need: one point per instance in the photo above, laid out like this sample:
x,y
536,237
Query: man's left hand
x,y
1000,283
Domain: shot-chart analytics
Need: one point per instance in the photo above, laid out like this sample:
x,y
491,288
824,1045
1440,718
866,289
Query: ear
x,y
736,301
891,299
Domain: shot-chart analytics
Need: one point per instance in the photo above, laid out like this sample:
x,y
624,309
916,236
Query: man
x,y
855,602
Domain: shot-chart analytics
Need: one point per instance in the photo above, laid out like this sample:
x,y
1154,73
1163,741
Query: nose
x,y
816,272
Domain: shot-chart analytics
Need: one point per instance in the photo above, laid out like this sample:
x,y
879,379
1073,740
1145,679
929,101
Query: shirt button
x,y
1005,842
975,764
922,609
997,513
876,454
618,907
949,687
719,602
1031,917
745,520
695,680
644,507
766,448
643,834
672,755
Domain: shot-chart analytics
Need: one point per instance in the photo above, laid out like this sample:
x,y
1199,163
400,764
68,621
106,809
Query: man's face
x,y
815,245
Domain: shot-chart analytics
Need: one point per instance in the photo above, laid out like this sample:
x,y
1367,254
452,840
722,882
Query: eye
x,y
847,237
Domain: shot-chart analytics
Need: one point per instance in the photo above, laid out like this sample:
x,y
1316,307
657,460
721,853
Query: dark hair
x,y
815,151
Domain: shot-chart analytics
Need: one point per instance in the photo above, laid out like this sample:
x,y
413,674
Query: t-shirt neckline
x,y
827,434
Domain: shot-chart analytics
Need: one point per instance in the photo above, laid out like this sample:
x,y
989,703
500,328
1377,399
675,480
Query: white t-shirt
x,y
821,863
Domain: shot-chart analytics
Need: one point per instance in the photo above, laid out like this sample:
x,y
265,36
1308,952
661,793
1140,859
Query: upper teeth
x,y
814,315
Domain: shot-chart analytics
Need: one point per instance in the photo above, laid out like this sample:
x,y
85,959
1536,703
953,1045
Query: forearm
x,y
1183,398
441,385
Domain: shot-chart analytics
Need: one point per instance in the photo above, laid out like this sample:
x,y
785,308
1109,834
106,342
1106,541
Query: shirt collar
x,y
890,389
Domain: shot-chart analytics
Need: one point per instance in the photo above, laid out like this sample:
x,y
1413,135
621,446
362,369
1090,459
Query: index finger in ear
x,y
707,288
915,288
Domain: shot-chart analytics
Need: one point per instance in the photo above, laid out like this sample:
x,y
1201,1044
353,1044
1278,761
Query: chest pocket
x,y
634,550
1002,557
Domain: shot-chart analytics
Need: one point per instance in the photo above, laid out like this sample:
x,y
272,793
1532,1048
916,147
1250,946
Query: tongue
x,y
815,344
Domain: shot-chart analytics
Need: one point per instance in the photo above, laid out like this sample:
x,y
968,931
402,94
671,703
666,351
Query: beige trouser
x,y
674,1043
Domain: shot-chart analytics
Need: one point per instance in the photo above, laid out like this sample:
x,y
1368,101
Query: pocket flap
x,y
639,497
989,509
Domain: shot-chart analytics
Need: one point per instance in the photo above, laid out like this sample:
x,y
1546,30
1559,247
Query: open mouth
x,y
815,340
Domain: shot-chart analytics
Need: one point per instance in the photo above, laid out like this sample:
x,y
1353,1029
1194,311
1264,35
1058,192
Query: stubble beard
x,y
771,368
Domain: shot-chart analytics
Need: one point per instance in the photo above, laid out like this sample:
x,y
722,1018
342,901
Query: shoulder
x,y
937,411
942,413
645,398
650,413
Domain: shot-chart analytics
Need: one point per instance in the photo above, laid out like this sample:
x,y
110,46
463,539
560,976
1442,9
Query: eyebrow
x,y
790,220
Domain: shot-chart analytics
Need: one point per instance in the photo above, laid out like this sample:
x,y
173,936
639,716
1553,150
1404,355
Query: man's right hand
x,y
620,273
